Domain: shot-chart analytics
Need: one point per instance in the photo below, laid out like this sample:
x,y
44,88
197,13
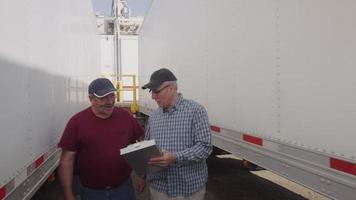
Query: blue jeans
x,y
122,192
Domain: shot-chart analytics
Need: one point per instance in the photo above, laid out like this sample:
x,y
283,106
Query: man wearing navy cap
x,y
94,137
181,129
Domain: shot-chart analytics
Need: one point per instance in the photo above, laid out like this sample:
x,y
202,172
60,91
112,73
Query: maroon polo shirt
x,y
97,143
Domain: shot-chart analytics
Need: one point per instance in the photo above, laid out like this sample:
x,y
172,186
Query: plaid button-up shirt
x,y
185,131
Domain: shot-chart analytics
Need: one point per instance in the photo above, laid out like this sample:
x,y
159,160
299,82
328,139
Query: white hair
x,y
170,83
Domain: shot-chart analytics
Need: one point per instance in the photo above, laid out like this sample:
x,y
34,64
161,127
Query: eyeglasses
x,y
157,91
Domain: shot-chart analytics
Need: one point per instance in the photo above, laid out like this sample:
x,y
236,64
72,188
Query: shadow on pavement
x,y
230,180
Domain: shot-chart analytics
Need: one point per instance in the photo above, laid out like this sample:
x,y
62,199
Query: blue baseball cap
x,y
101,87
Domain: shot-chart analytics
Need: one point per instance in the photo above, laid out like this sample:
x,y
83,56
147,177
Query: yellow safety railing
x,y
118,82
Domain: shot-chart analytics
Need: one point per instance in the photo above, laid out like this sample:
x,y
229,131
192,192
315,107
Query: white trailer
x,y
49,51
277,79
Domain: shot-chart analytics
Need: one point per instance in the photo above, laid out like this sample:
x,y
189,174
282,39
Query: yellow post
x,y
134,106
120,92
116,85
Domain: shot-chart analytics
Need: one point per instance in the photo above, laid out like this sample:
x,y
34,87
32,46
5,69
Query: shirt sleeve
x,y
137,130
202,147
68,140
147,130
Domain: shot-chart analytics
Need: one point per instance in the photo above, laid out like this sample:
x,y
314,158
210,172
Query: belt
x,y
102,188
110,187
106,187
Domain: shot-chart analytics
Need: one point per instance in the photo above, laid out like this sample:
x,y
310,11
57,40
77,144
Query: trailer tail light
x,y
215,129
39,161
2,193
252,139
343,166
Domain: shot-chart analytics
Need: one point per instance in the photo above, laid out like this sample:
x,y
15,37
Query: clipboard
x,y
138,154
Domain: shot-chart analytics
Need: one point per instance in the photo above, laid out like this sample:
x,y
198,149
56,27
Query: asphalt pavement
x,y
228,180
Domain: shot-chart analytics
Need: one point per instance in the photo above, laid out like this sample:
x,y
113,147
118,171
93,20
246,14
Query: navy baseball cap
x,y
158,77
101,87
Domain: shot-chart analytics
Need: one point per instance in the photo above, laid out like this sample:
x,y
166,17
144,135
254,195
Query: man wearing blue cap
x,y
94,137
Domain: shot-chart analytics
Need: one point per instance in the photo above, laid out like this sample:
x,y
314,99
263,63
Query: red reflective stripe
x,y
215,128
252,139
2,193
343,166
39,161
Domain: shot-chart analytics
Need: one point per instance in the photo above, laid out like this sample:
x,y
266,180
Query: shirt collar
x,y
176,105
